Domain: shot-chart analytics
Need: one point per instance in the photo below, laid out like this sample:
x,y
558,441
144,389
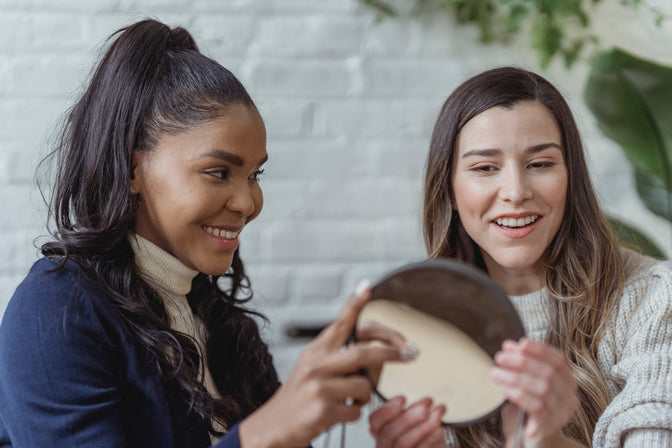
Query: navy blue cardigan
x,y
72,376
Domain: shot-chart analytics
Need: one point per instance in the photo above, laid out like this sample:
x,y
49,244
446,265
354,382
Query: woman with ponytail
x,y
133,329
507,190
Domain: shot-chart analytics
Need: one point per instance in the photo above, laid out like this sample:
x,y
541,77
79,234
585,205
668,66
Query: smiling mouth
x,y
221,233
513,223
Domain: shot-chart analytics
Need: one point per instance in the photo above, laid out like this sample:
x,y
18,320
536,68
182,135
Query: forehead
x,y
239,130
526,123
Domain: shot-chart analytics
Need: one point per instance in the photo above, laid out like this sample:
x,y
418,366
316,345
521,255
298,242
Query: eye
x,y
484,169
219,174
541,165
257,174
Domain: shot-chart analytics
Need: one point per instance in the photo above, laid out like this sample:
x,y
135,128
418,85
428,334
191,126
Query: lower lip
x,y
225,244
517,232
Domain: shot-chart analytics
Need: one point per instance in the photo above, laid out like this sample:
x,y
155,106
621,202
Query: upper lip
x,y
226,228
516,215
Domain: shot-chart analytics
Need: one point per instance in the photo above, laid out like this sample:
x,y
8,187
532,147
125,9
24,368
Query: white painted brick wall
x,y
349,105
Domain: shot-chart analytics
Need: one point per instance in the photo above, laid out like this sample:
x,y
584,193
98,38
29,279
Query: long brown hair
x,y
584,272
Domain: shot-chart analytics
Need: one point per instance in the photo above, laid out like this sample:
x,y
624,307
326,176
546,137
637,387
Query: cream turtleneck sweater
x,y
635,355
172,279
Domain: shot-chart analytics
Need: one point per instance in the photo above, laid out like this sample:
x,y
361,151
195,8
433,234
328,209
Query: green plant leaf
x,y
630,98
554,23
631,237
654,194
382,8
516,18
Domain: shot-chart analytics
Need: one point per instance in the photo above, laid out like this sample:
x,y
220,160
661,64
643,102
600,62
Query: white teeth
x,y
221,233
520,222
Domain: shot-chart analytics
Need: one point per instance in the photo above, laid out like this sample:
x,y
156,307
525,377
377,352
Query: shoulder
x,y
645,304
636,355
59,326
48,279
638,266
49,287
53,298
645,278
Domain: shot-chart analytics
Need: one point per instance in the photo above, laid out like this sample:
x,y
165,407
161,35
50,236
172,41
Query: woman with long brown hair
x,y
507,189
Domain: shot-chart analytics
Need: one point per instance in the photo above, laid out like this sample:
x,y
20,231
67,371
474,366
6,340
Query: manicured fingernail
x,y
362,286
410,352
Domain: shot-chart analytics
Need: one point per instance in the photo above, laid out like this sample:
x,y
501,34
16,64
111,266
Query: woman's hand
x,y
419,425
536,378
326,386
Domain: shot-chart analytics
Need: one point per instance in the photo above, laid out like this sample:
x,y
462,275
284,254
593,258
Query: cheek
x,y
555,193
466,197
258,199
172,196
456,192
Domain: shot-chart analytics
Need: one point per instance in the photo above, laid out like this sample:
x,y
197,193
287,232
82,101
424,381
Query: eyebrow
x,y
492,152
228,157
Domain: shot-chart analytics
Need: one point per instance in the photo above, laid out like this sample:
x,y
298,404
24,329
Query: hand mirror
x,y
458,318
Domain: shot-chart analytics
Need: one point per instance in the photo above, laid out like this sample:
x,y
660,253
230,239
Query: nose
x,y
242,200
515,187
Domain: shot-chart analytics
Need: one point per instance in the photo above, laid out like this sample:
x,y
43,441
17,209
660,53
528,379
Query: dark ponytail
x,y
152,81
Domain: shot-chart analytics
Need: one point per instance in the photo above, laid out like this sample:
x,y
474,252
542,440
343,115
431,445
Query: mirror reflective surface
x,y
458,318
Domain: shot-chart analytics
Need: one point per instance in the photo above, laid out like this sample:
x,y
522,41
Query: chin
x,y
215,271
517,261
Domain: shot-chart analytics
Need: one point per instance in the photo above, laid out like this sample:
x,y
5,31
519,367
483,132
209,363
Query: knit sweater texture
x,y
634,355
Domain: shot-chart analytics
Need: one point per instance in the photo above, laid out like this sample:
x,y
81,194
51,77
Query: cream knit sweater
x,y
635,355
173,281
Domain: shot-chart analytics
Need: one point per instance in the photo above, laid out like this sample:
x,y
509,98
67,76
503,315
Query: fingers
x,y
335,400
509,417
538,350
373,331
414,415
342,413
536,380
536,377
386,414
369,331
533,368
354,358
351,390
359,357
339,331
325,386
418,426
427,433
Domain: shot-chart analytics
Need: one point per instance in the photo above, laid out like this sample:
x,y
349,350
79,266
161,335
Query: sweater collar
x,y
533,309
165,271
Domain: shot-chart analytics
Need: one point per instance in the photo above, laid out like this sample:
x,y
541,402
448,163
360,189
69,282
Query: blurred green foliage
x,y
630,99
557,28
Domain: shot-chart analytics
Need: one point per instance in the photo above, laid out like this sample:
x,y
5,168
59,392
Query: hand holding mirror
x,y
458,318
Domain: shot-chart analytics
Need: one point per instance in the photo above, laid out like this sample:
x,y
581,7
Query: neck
x,y
164,271
516,281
